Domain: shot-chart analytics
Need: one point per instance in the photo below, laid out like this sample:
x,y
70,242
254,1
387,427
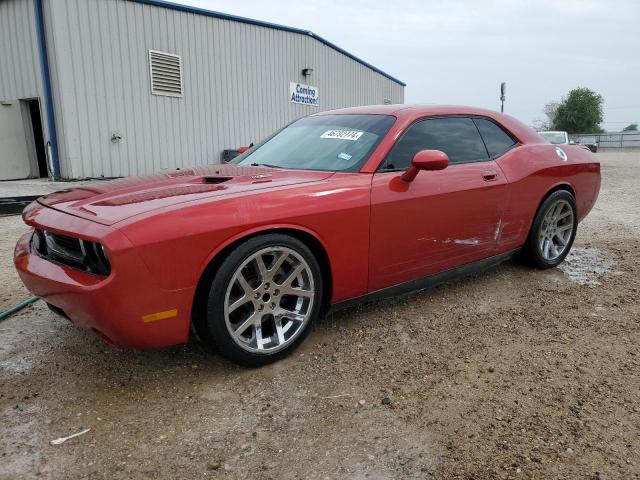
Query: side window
x,y
495,138
458,137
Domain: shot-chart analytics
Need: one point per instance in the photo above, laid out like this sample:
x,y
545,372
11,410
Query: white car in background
x,y
556,138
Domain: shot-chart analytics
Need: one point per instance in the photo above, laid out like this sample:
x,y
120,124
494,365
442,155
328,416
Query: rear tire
x,y
262,300
553,231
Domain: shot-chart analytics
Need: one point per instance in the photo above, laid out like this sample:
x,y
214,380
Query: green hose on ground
x,y
7,313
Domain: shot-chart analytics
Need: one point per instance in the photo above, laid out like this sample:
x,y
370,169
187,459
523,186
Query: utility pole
x,y
503,91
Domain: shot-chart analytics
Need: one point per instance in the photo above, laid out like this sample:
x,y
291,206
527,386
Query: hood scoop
x,y
214,180
156,194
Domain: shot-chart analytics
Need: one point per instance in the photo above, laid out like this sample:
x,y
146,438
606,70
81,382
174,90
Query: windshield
x,y
322,142
556,138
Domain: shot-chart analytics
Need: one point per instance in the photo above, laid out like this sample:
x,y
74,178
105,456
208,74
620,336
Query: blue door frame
x,y
46,84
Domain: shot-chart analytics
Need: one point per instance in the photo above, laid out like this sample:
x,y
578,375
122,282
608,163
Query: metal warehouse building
x,y
111,88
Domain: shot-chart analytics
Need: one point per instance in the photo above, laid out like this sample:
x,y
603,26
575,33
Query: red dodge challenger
x,y
338,207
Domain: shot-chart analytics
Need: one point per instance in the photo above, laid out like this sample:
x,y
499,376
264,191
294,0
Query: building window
x,y
166,73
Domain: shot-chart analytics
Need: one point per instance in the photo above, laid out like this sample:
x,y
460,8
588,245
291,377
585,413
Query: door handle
x,y
490,176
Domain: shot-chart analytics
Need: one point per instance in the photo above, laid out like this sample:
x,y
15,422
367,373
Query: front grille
x,y
72,252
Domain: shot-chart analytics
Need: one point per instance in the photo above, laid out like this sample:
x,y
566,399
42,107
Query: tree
x,y
632,127
550,110
579,112
540,125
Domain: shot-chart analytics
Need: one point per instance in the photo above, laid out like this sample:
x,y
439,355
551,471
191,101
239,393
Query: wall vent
x,y
166,73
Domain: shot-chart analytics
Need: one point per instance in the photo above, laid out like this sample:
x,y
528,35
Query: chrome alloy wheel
x,y
269,300
555,230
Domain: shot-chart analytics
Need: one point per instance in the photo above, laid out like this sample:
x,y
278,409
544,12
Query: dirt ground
x,y
513,373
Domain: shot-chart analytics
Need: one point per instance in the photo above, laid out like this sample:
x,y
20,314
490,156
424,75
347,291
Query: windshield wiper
x,y
265,165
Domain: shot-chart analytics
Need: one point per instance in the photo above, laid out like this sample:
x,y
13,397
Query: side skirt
x,y
427,282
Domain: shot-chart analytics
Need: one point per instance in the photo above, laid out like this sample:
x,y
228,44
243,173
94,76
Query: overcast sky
x,y
458,52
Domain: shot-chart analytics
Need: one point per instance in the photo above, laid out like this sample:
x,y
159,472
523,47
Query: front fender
x,y
257,231
177,246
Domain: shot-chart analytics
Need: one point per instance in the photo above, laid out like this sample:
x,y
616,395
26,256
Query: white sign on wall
x,y
305,94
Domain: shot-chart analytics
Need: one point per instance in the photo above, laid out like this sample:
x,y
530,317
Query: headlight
x,y
73,252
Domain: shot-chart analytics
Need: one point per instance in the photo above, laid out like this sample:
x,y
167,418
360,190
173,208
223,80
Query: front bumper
x,y
121,308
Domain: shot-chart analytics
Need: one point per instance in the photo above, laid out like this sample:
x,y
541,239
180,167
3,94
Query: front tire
x,y
553,231
263,299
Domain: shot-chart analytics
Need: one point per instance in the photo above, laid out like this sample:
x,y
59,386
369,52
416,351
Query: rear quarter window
x,y
495,138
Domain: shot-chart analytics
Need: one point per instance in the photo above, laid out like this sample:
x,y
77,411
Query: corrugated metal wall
x,y
19,60
19,79
236,81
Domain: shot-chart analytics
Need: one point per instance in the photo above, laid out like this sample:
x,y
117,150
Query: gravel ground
x,y
12,291
513,373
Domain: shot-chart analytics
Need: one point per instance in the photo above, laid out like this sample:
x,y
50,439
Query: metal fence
x,y
609,140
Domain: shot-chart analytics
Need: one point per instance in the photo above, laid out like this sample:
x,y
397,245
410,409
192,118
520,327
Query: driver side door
x,y
442,219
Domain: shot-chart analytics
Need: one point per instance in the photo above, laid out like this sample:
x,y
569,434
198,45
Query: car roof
x,y
408,112
411,110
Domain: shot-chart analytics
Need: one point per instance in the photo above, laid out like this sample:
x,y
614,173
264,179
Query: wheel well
x,y
202,289
564,186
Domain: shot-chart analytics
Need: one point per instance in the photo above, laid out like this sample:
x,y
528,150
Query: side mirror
x,y
425,160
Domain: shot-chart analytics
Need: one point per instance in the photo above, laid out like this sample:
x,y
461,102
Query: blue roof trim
x,y
259,23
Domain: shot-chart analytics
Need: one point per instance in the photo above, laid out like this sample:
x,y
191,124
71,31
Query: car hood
x,y
108,202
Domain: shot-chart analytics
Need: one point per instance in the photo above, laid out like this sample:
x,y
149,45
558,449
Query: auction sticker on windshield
x,y
352,135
